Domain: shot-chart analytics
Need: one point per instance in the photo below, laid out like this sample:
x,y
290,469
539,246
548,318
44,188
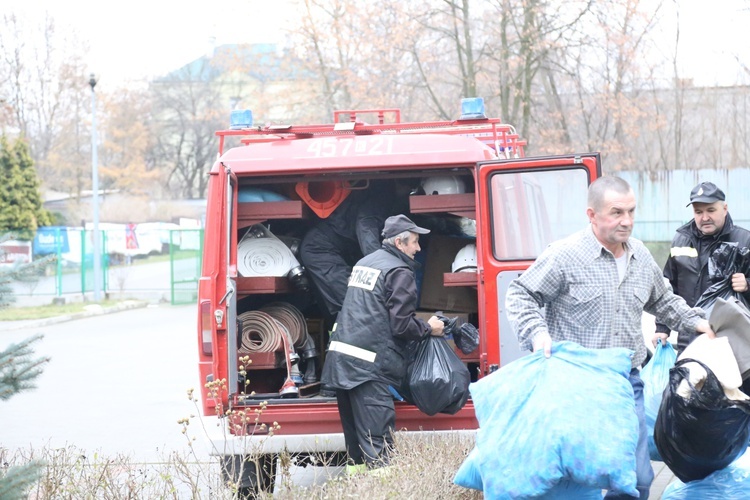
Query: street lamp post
x,y
95,200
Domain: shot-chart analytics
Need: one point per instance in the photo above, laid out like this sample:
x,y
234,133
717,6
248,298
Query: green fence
x,y
185,253
161,266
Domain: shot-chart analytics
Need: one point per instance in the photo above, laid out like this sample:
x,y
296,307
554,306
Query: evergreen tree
x,y
18,372
21,209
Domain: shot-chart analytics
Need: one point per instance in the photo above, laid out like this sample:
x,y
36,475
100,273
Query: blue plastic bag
x,y
655,376
468,476
557,424
729,483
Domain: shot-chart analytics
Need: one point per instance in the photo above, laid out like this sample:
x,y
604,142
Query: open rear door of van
x,y
524,205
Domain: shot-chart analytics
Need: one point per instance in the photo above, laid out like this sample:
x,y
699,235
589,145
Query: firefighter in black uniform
x,y
687,265
369,339
352,231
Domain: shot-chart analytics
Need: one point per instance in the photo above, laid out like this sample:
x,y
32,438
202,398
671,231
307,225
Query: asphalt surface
x,y
116,383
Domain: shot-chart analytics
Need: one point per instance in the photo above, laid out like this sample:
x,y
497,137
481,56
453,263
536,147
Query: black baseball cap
x,y
706,192
397,224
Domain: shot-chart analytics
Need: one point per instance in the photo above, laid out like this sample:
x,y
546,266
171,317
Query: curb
x,y
35,323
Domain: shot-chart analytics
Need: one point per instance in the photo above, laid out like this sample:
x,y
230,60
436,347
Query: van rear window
x,y
532,209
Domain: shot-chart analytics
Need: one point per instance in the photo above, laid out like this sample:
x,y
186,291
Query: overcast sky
x,y
138,39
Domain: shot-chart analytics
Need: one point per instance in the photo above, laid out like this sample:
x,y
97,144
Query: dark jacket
x,y
361,215
687,265
376,322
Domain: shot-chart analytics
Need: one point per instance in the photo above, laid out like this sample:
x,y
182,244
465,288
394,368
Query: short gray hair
x,y
404,235
599,187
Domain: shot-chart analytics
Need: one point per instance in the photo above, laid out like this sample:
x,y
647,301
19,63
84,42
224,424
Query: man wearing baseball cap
x,y
369,341
687,264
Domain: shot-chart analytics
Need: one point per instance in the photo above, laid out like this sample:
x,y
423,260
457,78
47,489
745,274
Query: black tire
x,y
253,475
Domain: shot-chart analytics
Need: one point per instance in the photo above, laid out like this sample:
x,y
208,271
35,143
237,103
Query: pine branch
x,y
18,370
16,480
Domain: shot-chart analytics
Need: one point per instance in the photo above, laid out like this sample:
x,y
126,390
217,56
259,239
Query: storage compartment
x,y
250,213
290,220
441,251
463,204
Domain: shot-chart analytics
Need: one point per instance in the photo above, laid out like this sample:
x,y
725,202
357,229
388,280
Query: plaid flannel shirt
x,y
573,292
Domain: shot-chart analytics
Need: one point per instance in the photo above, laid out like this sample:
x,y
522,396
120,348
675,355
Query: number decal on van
x,y
328,147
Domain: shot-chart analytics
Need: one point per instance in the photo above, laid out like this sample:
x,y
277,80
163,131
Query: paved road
x,y
116,383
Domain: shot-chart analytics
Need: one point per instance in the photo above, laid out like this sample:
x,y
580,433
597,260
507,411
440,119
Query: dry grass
x,y
422,468
71,473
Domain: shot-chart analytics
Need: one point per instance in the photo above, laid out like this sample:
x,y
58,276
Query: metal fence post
x,y
104,259
83,261
58,267
171,266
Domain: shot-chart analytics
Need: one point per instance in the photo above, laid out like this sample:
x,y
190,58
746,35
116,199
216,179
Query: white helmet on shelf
x,y
466,260
444,184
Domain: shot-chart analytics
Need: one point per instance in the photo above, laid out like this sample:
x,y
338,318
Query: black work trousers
x,y
369,419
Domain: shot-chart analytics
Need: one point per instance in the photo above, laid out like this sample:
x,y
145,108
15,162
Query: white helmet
x,y
466,260
444,184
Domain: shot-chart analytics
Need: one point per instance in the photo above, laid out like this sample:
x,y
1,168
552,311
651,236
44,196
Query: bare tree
x,y
43,85
187,109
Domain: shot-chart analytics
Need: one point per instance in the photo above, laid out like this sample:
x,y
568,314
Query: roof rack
x,y
499,136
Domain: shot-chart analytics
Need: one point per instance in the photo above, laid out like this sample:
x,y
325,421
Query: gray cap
x,y
706,192
397,224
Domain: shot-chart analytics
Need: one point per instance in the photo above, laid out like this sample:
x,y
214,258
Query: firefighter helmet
x,y
466,260
444,184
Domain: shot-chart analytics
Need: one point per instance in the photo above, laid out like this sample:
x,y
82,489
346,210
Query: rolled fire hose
x,y
260,253
262,333
291,318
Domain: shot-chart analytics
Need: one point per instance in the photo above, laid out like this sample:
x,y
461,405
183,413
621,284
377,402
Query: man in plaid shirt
x,y
592,288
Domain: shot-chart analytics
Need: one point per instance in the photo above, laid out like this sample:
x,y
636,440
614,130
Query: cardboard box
x,y
441,250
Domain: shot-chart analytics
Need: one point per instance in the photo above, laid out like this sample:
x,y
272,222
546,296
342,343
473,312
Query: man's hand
x,y
437,326
543,341
660,337
739,283
704,327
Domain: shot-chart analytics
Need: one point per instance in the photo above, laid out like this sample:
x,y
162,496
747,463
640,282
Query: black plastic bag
x,y
726,260
466,336
438,381
704,433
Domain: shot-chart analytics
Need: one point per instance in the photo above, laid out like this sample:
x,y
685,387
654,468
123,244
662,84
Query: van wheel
x,y
253,474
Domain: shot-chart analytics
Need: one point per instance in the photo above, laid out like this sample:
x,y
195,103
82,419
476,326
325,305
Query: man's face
x,y
410,246
613,222
710,217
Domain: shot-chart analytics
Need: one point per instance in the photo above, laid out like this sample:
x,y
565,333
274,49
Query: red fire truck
x,y
271,184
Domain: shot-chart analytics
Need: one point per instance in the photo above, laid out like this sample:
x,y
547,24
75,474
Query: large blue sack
x,y
546,425
468,476
655,376
729,483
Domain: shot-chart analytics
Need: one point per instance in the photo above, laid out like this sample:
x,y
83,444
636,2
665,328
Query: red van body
x,y
281,180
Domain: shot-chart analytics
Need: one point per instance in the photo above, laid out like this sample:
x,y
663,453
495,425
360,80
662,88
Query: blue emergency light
x,y
241,118
472,108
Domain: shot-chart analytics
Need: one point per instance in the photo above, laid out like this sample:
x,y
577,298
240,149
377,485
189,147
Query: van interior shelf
x,y
460,279
262,284
250,213
463,205
264,360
